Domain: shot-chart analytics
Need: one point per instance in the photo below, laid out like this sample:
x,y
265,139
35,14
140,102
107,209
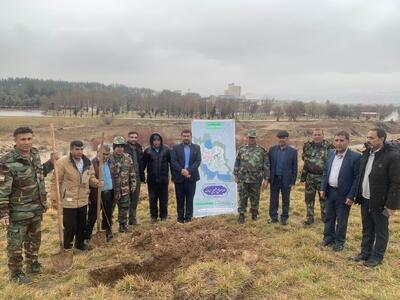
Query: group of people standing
x,y
339,176
23,194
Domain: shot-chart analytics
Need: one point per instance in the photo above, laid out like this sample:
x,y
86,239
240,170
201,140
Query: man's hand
x,y
236,179
117,196
100,184
5,221
54,156
349,202
391,212
265,184
322,194
185,173
133,188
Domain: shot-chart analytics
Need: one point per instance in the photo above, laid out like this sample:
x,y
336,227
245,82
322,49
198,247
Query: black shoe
x,y
19,277
153,220
254,217
123,228
327,243
359,257
163,219
241,219
372,262
338,247
109,235
33,267
83,247
271,221
309,221
284,222
133,222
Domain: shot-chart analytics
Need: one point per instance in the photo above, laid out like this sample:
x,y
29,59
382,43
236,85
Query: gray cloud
x,y
315,49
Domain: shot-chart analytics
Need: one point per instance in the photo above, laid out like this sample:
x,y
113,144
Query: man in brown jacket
x,y
76,174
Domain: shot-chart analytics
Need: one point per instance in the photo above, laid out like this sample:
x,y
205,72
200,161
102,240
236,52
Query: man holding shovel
x,y
76,174
108,194
22,203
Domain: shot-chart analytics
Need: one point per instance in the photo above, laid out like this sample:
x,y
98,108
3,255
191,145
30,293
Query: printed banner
x,y
216,191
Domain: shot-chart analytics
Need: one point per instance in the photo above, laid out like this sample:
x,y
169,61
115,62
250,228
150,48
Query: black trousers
x,y
375,231
184,192
74,221
336,217
107,199
276,188
158,195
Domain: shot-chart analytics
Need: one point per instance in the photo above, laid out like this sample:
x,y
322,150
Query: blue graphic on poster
x,y
216,190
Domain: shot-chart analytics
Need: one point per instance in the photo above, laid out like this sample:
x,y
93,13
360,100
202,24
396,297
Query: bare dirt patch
x,y
166,250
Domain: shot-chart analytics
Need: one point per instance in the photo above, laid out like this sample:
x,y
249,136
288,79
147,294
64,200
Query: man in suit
x,y
378,193
283,167
185,161
338,187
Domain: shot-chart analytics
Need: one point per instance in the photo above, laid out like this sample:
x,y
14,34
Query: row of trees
x,y
66,98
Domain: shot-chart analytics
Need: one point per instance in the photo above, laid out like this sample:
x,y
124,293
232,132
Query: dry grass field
x,y
209,258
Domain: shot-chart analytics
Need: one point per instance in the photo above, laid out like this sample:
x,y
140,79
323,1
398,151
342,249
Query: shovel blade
x,y
98,239
62,261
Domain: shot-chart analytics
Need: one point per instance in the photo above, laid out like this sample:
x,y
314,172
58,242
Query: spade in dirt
x,y
62,261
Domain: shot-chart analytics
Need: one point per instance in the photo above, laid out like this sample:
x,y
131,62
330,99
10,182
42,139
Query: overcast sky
x,y
346,51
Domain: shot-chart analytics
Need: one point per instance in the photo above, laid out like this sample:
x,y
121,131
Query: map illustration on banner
x,y
216,190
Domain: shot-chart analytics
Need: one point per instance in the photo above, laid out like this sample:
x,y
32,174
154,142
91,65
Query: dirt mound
x,y
165,250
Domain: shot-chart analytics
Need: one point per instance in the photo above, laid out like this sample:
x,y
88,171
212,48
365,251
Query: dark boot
x,y
241,219
33,267
309,221
109,235
19,277
254,214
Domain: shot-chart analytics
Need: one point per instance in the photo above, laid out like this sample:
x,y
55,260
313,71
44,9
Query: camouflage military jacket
x,y
314,156
125,173
22,187
252,164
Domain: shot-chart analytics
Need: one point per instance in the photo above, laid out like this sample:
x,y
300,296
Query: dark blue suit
x,y
337,212
283,180
185,188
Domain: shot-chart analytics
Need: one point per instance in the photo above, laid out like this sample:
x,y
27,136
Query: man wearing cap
x,y
126,180
251,170
283,163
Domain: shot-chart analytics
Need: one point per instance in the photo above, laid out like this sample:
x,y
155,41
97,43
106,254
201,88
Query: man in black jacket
x,y
135,151
378,193
157,159
185,162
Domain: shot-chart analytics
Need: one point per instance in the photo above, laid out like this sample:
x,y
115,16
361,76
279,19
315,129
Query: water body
x,y
21,113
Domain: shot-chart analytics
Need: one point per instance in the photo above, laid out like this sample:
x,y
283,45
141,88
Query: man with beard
x,y
378,193
156,160
135,151
185,161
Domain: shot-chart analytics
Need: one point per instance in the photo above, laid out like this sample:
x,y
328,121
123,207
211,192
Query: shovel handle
x,y
101,162
58,197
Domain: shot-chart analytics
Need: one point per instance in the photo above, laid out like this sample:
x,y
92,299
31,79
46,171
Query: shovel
x,y
99,238
62,261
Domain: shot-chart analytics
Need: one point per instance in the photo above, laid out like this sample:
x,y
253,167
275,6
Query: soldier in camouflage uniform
x,y
127,180
315,154
22,203
251,170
